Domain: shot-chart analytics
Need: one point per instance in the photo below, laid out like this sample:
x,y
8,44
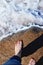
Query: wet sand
x,y
33,41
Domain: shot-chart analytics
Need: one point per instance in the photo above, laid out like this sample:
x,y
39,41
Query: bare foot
x,y
32,62
18,48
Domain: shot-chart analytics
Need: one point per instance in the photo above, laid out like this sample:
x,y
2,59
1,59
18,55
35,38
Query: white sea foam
x,y
18,15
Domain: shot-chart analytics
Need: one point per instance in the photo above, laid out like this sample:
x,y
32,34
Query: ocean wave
x,y
19,15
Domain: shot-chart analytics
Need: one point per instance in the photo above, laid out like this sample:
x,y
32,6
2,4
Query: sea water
x,y
18,15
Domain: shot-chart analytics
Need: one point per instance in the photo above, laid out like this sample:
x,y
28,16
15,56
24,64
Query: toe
x,y
32,62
